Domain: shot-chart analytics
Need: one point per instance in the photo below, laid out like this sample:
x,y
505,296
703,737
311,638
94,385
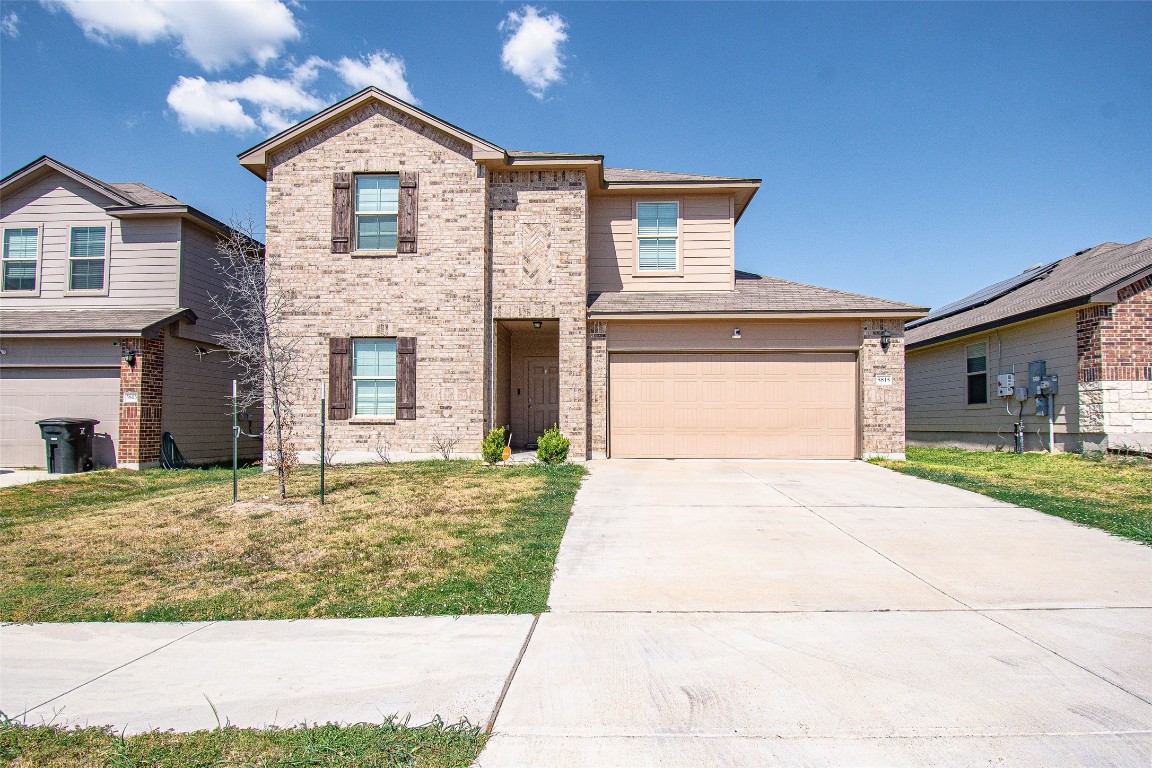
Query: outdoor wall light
x,y
536,324
885,339
129,356
735,333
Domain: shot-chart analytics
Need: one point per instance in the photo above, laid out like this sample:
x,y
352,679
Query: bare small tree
x,y
258,346
445,445
383,451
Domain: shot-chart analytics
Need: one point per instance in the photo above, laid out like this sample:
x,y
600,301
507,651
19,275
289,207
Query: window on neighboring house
x,y
377,201
977,355
374,377
20,252
86,258
657,234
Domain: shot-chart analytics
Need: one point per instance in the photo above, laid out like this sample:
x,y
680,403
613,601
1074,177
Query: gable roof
x,y
128,199
1088,277
753,295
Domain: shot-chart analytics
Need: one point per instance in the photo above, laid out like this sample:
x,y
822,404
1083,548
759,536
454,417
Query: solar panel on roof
x,y
989,294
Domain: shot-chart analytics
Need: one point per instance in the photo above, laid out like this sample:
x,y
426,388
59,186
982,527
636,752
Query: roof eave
x,y
1109,294
21,175
183,313
1020,317
735,315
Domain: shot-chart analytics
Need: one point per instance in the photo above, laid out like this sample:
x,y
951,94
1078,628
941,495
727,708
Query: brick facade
x,y
882,409
597,390
141,396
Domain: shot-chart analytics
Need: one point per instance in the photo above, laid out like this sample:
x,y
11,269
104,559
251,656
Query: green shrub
x,y
492,447
552,447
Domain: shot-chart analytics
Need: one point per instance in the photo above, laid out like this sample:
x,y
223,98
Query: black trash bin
x,y
68,444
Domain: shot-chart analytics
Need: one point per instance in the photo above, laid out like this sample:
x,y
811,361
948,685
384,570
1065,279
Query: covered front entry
x,y
527,378
794,405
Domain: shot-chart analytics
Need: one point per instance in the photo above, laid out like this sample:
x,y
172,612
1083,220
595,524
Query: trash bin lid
x,y
64,421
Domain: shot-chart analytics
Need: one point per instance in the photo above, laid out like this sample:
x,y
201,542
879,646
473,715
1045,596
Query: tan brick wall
x,y
597,390
139,441
882,406
539,271
436,295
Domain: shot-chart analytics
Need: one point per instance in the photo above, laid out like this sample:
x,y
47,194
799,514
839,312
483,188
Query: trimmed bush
x,y
492,447
552,448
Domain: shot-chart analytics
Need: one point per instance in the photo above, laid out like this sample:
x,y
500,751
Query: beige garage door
x,y
30,394
758,405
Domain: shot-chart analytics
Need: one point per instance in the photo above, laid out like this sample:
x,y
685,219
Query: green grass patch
x,y
1110,493
405,539
389,745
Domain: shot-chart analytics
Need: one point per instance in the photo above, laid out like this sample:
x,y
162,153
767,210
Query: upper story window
x,y
377,201
374,377
21,248
977,355
87,258
658,236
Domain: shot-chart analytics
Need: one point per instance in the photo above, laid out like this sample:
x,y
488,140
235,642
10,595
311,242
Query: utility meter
x,y
1022,393
1005,385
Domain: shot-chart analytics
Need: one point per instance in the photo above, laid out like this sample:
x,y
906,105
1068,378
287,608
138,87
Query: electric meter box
x,y
1005,385
1037,370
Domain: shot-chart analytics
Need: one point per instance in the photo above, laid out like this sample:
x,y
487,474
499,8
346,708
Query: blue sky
x,y
911,151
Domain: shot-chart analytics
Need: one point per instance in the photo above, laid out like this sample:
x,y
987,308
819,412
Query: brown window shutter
x,y
406,224
339,379
405,378
342,212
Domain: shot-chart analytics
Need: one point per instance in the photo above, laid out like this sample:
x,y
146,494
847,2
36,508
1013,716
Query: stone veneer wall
x,y
138,446
882,410
436,294
539,244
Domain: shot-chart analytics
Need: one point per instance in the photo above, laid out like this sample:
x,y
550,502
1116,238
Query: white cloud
x,y
10,24
380,69
271,104
213,33
532,48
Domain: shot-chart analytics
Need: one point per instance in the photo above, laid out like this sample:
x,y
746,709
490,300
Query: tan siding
x,y
199,280
707,245
706,335
937,392
143,254
197,407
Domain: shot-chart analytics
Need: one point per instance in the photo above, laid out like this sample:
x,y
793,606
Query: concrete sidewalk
x,y
820,613
258,673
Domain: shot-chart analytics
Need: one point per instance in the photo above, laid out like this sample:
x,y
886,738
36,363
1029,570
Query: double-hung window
x,y
658,235
20,251
374,378
377,201
977,372
87,255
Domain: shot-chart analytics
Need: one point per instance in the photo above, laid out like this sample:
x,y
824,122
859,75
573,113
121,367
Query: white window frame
x,y
39,258
356,214
678,271
969,374
357,379
103,291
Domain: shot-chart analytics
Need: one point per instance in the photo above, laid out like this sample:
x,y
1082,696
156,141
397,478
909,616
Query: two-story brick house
x,y
105,313
442,285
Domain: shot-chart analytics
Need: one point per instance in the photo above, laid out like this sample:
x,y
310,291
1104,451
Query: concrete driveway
x,y
729,613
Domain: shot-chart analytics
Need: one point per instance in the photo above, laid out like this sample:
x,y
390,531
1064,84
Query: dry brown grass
x,y
386,533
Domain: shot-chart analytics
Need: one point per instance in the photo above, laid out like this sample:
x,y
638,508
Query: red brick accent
x,y
139,442
1114,343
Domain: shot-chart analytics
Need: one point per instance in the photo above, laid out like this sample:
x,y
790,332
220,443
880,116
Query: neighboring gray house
x,y
105,314
1088,316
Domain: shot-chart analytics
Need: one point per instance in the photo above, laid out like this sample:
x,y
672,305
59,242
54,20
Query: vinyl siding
x,y
937,397
707,245
143,255
199,280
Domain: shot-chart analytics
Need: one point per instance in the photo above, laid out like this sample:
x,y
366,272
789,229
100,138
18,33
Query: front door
x,y
543,396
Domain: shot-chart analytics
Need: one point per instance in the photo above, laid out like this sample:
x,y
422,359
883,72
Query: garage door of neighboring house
x,y
31,394
733,405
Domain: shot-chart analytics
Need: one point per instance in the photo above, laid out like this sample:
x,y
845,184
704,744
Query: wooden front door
x,y
543,396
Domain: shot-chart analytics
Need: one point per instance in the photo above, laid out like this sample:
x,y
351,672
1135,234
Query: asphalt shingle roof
x,y
144,195
620,175
17,321
1071,281
753,293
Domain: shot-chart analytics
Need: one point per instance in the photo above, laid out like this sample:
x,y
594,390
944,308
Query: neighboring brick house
x,y
106,315
441,285
1087,316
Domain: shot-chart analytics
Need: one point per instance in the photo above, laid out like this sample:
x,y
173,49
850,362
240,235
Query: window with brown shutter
x,y
405,378
339,379
342,212
406,225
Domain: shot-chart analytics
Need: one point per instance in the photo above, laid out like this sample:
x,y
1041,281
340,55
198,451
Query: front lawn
x,y
390,745
405,539
1109,493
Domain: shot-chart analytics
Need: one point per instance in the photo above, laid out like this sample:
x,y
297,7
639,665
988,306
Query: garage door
x,y
757,405
30,394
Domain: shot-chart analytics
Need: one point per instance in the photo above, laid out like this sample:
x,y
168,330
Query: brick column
x,y
597,390
882,404
141,390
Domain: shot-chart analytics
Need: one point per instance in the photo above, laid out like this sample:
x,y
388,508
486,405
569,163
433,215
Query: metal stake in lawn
x,y
235,441
323,418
